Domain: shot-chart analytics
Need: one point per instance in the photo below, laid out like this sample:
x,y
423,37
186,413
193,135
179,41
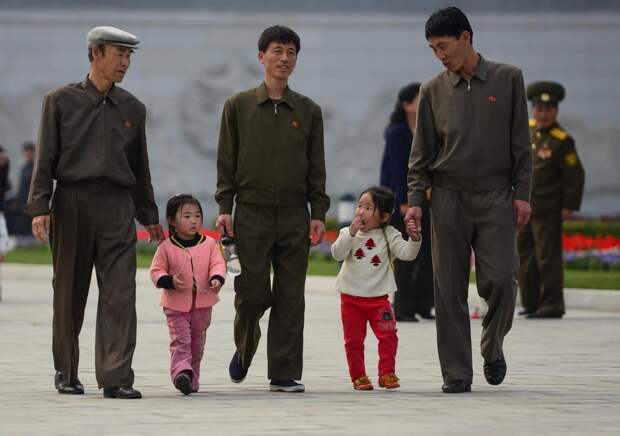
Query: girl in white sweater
x,y
367,248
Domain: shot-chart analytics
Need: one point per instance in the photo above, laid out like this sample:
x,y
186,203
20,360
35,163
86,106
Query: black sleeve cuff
x,y
165,282
216,277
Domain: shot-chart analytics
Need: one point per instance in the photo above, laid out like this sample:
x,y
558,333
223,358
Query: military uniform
x,y
271,165
557,183
94,147
471,145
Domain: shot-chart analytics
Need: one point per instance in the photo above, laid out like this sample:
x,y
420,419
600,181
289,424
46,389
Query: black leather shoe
x,y
122,392
404,318
236,370
183,382
495,372
64,386
456,387
539,314
525,312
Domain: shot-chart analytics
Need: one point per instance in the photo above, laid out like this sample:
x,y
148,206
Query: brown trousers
x,y
484,222
541,277
94,228
272,237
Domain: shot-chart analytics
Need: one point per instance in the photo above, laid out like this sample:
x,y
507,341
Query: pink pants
x,y
188,333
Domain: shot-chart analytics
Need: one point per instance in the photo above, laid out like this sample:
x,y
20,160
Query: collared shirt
x,y
271,153
472,135
88,139
557,173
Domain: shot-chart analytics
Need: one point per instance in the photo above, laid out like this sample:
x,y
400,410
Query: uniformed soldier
x,y
471,145
271,165
557,190
92,143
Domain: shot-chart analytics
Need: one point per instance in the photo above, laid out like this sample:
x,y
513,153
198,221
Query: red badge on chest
x,y
492,99
295,124
127,124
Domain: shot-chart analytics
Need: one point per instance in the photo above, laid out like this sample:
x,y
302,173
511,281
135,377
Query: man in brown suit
x,y
271,167
472,146
92,143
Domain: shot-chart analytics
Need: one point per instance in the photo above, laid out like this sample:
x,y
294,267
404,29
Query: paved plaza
x,y
563,377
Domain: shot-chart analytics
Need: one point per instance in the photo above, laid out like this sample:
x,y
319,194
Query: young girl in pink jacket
x,y
190,270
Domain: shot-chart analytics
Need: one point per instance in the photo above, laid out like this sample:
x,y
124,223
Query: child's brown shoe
x,y
389,381
362,384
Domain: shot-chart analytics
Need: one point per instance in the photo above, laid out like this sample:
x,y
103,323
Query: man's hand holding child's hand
x,y
413,231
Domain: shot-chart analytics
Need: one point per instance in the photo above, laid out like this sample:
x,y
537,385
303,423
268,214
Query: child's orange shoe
x,y
389,381
363,384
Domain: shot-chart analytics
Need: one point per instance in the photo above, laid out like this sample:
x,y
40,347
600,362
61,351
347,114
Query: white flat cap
x,y
111,35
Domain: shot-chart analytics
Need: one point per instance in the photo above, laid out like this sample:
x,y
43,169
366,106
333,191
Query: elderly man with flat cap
x,y
92,143
557,190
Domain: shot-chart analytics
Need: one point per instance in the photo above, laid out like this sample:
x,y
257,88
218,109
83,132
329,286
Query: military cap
x,y
544,92
111,35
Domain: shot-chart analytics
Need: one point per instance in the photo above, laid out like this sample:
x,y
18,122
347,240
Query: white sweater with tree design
x,y
366,269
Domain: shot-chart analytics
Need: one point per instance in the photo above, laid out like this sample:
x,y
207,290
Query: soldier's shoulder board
x,y
532,123
558,133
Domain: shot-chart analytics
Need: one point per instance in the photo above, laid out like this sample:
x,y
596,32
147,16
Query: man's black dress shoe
x,y
236,370
456,387
545,315
495,372
64,386
122,392
525,311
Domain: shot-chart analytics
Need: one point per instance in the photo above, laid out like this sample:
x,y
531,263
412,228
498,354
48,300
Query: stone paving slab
x,y
563,377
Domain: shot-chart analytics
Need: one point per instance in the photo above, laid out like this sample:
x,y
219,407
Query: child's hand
x,y
413,231
355,226
216,285
177,281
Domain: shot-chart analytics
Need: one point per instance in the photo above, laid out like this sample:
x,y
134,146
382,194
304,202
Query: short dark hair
x,y
101,48
28,146
281,34
176,203
383,198
448,22
406,94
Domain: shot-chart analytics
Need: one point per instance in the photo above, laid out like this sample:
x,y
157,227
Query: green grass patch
x,y
324,266
592,279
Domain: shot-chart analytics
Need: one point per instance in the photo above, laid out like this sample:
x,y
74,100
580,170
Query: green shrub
x,y
592,227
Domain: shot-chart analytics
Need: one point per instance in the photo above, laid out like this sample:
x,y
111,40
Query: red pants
x,y
356,312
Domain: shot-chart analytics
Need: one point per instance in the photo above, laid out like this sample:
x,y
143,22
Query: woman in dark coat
x,y
414,279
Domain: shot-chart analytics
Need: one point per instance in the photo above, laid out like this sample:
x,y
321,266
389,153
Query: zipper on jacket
x,y
275,108
105,136
469,85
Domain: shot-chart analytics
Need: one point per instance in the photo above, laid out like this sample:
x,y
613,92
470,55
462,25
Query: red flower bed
x,y
579,242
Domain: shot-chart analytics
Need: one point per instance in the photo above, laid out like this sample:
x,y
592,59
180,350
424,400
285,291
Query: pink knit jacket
x,y
200,263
